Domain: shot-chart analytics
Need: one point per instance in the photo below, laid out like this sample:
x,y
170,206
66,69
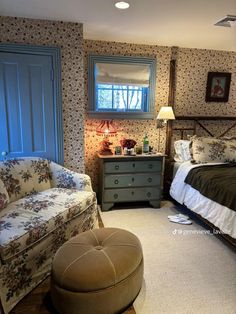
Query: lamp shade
x,y
166,113
106,128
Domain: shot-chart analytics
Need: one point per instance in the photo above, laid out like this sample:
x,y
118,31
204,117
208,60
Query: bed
x,y
207,185
217,214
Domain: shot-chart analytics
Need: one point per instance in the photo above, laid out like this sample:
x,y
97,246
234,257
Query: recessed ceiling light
x,y
122,5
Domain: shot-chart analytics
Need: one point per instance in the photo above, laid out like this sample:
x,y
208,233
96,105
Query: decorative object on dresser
x,y
145,144
130,179
118,150
106,128
218,84
128,146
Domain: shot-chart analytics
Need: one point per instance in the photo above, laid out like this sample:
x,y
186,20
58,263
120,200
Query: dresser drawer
x,y
129,180
132,166
129,195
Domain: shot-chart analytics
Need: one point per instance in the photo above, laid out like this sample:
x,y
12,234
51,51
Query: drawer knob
x,y
117,167
115,196
132,192
116,181
132,179
149,180
149,194
150,166
133,165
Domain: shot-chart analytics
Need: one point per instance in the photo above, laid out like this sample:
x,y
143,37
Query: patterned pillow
x,y
231,150
4,197
209,149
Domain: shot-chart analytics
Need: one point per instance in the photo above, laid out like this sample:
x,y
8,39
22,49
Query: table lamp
x,y
106,128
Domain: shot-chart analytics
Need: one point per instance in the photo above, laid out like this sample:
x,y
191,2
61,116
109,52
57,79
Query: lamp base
x,y
105,147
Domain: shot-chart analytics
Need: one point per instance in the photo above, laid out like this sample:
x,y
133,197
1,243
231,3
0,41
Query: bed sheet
x,y
176,167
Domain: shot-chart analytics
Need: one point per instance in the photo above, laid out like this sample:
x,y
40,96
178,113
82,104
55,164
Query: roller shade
x,y
122,74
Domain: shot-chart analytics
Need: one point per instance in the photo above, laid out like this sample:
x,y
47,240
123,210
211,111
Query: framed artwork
x,y
218,84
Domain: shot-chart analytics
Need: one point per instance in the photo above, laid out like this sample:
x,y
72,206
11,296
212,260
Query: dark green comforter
x,y
216,182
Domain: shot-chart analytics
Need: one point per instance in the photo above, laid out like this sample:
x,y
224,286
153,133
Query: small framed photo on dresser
x,y
218,84
118,150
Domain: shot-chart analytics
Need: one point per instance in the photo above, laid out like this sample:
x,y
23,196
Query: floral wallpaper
x,y
134,129
69,37
193,66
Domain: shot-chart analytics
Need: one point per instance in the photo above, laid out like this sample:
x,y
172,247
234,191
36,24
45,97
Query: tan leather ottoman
x,y
97,272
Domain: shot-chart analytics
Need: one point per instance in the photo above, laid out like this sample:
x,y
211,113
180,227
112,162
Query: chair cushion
x,y
24,176
26,221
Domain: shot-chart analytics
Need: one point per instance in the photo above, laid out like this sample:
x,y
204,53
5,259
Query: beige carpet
x,y
186,270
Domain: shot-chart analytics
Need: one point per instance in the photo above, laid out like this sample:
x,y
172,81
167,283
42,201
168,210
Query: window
x,y
121,87
121,98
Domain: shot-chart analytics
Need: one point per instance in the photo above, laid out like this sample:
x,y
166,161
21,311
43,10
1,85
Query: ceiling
x,y
183,23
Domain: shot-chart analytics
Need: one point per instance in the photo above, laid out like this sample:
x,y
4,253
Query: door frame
x,y
55,54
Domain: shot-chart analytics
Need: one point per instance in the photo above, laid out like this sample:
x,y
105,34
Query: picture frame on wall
x,y
218,85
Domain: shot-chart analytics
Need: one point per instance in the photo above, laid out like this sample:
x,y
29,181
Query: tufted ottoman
x,y
99,271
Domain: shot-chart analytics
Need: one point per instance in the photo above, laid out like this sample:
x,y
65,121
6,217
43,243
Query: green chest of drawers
x,y
130,179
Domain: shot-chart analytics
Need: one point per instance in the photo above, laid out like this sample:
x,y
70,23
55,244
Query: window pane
x,y
104,86
135,100
104,99
120,99
135,87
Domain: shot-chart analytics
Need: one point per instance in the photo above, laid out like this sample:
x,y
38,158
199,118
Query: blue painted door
x,y
26,106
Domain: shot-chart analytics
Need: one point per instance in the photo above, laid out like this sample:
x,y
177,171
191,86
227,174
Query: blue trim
x,y
55,54
93,59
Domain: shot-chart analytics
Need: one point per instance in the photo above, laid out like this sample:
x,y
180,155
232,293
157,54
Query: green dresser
x,y
130,179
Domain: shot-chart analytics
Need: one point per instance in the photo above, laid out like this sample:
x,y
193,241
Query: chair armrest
x,y
62,177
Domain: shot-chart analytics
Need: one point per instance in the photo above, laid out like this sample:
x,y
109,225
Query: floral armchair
x,y
42,204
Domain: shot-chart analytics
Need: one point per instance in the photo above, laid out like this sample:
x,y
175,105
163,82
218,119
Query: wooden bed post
x,y
171,97
171,102
168,137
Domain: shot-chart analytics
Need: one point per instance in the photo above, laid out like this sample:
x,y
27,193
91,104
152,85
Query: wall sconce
x,y
106,128
165,114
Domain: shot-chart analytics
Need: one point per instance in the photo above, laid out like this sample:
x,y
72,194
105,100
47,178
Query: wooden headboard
x,y
191,125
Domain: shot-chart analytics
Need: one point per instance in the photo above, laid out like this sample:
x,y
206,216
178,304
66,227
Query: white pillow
x,y
182,150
